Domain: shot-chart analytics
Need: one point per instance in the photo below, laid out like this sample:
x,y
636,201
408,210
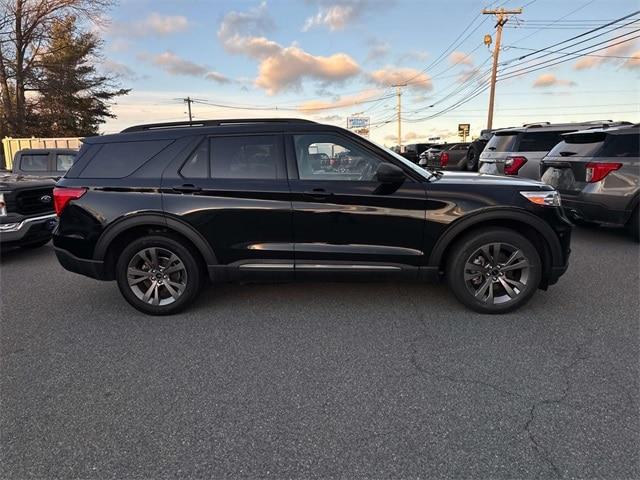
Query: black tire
x,y
472,159
634,225
511,242
38,244
185,281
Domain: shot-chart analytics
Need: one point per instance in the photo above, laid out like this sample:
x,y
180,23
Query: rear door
x,y
234,190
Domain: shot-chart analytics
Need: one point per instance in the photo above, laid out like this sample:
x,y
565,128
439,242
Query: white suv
x,y
518,151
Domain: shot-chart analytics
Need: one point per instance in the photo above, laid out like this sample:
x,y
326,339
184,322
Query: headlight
x,y
3,206
550,198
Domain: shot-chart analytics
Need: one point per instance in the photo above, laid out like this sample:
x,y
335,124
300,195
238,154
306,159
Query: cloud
x,y
377,50
119,69
154,25
330,118
287,69
550,80
255,21
607,56
217,77
413,56
394,76
633,62
174,65
337,14
280,67
460,58
340,102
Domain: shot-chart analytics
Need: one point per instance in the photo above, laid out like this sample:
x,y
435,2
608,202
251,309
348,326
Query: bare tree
x,y
25,27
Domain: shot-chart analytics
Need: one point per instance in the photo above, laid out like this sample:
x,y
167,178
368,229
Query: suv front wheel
x,y
158,275
494,271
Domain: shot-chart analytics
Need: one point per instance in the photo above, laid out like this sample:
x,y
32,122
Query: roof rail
x,y
210,123
536,124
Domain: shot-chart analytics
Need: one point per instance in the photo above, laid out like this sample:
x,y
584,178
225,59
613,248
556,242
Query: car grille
x,y
33,201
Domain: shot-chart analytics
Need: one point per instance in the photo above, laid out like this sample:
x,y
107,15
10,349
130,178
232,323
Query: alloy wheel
x,y
157,276
496,273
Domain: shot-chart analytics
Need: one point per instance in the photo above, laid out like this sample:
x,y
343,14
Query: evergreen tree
x,y
73,98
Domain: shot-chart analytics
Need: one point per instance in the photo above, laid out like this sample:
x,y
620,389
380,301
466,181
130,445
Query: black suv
x,y
160,208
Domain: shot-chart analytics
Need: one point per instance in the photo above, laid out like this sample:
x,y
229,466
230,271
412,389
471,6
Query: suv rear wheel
x,y
494,271
158,275
634,224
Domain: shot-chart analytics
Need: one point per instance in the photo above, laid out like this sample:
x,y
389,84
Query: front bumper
x,y
28,230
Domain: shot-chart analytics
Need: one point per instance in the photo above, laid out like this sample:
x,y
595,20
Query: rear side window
x,y
502,142
121,159
197,165
246,157
64,161
34,162
621,146
539,141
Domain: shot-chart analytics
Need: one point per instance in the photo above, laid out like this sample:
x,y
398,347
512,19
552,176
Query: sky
x,y
328,59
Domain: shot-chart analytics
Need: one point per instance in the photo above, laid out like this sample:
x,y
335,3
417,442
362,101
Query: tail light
x,y
596,171
513,165
62,196
444,159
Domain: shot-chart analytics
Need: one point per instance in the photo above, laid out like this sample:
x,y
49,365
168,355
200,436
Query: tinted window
x,y
621,146
34,162
121,159
502,142
248,157
539,141
197,165
64,161
347,160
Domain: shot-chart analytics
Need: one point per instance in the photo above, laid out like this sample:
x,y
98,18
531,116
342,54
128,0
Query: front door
x,y
344,219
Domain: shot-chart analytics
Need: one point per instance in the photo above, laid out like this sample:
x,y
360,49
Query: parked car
x,y
27,217
476,148
598,175
159,208
454,157
430,155
413,150
518,151
52,162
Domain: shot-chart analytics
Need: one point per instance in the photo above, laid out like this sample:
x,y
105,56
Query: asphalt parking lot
x,y
322,380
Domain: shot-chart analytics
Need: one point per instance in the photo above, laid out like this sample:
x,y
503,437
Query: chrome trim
x,y
15,227
268,266
346,267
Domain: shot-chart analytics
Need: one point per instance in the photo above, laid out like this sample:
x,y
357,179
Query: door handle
x,y
317,193
187,188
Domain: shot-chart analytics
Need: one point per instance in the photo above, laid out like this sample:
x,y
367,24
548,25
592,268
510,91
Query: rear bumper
x,y
28,230
90,268
590,208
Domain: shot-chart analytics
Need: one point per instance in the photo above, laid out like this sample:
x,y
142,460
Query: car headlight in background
x,y
550,198
3,206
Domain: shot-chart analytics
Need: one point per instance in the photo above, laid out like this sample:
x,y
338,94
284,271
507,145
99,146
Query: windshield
x,y
411,165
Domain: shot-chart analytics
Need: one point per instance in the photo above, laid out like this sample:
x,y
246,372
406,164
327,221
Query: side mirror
x,y
389,174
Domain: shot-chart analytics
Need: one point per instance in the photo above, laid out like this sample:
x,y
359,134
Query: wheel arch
x,y
535,229
150,223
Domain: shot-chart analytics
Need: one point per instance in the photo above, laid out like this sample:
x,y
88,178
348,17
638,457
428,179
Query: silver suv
x,y
598,175
518,151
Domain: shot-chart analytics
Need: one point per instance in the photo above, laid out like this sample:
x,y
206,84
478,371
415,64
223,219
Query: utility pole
x,y
399,95
189,101
502,16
